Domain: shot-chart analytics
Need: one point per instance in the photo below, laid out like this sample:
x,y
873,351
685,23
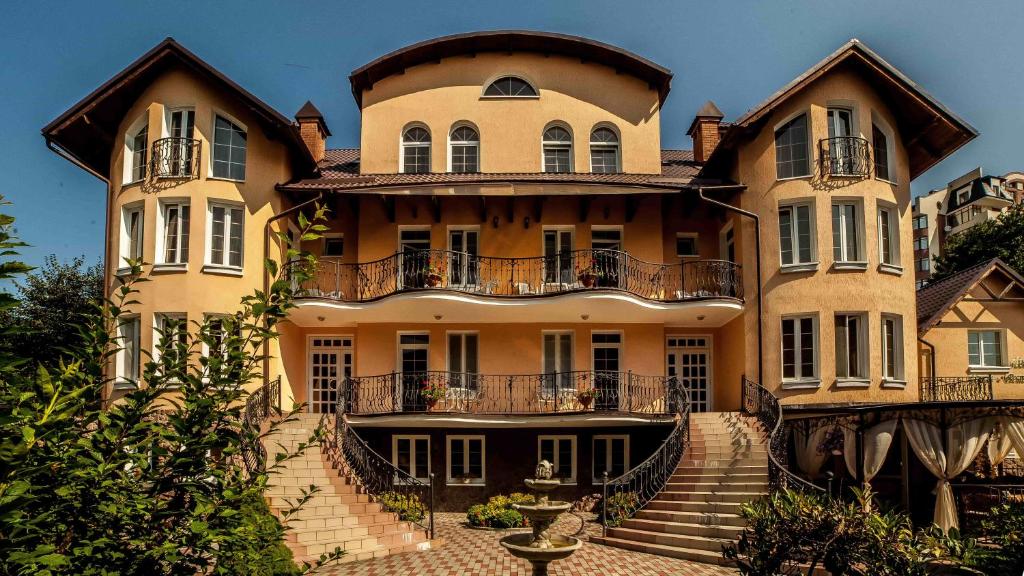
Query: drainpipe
x,y
931,360
266,277
757,257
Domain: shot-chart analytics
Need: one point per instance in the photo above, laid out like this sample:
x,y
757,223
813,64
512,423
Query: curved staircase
x,y
725,465
341,514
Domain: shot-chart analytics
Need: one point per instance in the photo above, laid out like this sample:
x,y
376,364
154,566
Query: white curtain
x,y
945,460
877,441
1014,429
808,458
999,445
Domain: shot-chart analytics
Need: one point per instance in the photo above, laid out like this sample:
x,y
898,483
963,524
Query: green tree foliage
x,y
155,483
1002,238
51,301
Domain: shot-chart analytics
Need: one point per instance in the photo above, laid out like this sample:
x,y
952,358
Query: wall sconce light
x,y
701,317
321,318
585,316
494,222
526,222
438,316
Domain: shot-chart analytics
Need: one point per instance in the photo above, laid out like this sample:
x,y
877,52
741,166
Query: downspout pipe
x,y
266,276
931,360
757,260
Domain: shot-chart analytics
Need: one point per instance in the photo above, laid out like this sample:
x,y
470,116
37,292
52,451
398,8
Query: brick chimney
x,y
313,130
704,131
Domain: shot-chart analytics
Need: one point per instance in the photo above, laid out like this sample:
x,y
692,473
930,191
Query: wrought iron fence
x,y
759,402
376,474
472,393
259,406
845,156
974,502
569,271
625,495
175,157
956,388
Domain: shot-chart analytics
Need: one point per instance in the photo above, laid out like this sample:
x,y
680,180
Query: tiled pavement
x,y
469,552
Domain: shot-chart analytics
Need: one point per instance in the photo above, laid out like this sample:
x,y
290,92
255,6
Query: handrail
x,y
956,388
440,392
638,486
376,474
759,402
175,157
564,272
258,407
845,156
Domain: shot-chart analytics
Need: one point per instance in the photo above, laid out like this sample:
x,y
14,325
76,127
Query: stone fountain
x,y
539,547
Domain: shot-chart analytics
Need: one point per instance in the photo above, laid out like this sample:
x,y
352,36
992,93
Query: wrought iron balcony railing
x,y
471,393
845,156
570,271
175,158
261,404
956,388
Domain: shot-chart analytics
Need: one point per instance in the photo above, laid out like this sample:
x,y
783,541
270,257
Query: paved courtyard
x,y
469,552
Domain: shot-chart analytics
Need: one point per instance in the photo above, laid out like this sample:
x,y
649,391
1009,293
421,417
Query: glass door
x,y
689,361
463,268
840,128
182,126
330,359
607,255
557,364
606,350
414,259
558,265
413,352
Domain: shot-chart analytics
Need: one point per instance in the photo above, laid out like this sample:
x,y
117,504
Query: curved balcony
x,y
441,393
567,272
175,158
845,156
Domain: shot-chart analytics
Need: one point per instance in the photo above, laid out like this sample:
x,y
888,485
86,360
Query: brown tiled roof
x,y
936,298
339,170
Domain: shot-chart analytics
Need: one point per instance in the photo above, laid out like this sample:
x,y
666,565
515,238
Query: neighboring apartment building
x,y
962,204
510,235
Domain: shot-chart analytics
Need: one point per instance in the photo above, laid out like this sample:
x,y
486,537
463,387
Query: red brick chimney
x,y
704,131
313,130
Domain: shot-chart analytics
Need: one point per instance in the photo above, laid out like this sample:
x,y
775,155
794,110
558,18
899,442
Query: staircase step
x,y
711,543
694,506
717,487
702,518
737,497
712,475
706,556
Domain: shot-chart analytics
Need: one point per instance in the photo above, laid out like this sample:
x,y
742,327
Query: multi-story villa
x,y
962,204
517,269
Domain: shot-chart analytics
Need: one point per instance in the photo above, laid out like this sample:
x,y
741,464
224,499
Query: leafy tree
x,y
155,483
50,301
1002,238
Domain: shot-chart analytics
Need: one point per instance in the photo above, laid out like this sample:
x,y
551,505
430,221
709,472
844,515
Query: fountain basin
x,y
520,546
546,511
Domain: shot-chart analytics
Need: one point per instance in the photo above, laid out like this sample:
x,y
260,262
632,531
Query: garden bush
x,y
620,506
408,507
498,512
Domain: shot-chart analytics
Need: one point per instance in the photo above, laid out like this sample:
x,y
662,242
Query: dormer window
x,y
557,150
604,151
415,151
464,150
510,87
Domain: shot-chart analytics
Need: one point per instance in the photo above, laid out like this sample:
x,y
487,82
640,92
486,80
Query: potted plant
x,y
588,274
586,396
432,392
433,272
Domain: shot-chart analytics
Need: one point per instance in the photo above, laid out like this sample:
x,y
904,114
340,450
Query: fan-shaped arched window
x,y
604,151
416,150
557,145
464,149
510,86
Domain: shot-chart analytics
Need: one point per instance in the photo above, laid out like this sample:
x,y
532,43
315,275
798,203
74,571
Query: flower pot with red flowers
x,y
586,396
432,392
588,274
433,273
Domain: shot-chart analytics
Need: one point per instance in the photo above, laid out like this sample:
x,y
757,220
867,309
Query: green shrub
x,y
408,507
620,506
271,559
1004,527
499,512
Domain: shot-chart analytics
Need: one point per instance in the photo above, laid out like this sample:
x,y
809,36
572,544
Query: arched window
x,y
138,147
604,151
557,145
510,86
464,149
416,150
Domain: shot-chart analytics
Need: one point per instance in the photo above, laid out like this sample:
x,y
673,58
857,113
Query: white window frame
x,y
126,245
899,379
809,151
846,263
890,148
224,266
158,319
495,78
889,214
863,353
332,236
465,438
572,345
799,381
452,143
213,145
402,145
412,438
555,144
161,234
596,476
123,380
128,168
557,438
617,146
984,368
797,265
456,387
696,244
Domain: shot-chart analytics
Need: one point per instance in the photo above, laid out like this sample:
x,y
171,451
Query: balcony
x,y
956,388
175,158
845,157
444,393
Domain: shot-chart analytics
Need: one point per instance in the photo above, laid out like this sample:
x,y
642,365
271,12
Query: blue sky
x,y
967,54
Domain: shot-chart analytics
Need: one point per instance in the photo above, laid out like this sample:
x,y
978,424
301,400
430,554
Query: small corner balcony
x,y
175,158
956,388
440,394
845,157
563,287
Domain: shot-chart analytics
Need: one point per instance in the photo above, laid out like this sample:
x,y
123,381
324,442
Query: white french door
x,y
330,362
689,360
463,268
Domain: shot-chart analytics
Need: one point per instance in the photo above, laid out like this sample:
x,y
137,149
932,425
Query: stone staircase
x,y
698,511
341,514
